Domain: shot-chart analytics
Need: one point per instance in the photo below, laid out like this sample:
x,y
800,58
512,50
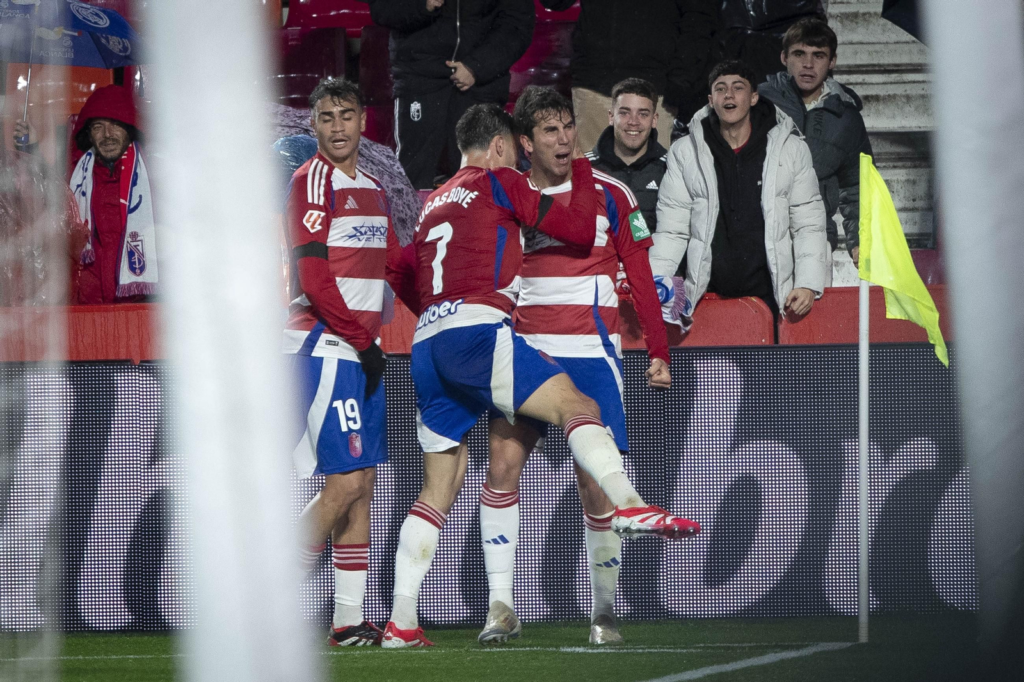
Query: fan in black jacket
x,y
665,42
447,55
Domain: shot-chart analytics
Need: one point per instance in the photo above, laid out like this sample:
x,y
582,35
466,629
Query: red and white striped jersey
x,y
568,305
347,221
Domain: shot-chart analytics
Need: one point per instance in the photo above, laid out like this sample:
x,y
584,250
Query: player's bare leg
x,y
330,505
559,402
510,446
443,476
604,559
351,542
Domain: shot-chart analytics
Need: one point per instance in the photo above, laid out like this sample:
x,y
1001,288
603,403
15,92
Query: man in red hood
x,y
111,187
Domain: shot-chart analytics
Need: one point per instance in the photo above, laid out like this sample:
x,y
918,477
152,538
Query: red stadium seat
x,y
716,322
350,15
306,56
544,14
375,66
835,319
546,61
380,124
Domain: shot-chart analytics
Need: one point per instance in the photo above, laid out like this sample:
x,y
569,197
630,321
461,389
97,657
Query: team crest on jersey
x,y
136,254
355,445
638,226
313,220
415,111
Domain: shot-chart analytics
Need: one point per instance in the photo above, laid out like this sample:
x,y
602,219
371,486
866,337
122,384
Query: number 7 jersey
x,y
468,240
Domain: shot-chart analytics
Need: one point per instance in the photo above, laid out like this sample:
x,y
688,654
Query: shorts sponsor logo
x,y
314,220
437,311
355,445
331,342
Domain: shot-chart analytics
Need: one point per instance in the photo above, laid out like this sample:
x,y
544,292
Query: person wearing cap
x,y
111,186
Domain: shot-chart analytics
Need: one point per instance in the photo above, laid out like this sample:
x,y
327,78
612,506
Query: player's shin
x,y
417,543
596,453
350,566
604,556
499,533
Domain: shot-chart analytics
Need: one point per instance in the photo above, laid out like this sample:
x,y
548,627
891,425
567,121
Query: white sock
x,y
604,556
350,564
417,543
499,532
595,451
309,557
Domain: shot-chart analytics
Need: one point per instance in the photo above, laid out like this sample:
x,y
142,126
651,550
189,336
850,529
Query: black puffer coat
x,y
488,36
835,132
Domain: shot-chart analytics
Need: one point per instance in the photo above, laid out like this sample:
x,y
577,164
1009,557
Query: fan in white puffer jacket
x,y
688,206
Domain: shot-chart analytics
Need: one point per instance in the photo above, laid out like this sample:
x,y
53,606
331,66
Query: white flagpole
x,y
218,239
863,593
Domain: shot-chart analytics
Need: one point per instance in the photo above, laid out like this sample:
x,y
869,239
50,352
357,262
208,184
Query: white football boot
x,y
501,626
604,630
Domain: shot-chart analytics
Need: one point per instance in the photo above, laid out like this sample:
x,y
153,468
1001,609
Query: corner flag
x,y
885,259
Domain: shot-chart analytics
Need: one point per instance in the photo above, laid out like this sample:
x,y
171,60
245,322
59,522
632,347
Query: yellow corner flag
x,y
885,259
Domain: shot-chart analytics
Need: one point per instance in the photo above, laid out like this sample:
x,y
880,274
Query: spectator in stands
x,y
741,238
628,149
828,114
111,186
447,55
665,42
752,32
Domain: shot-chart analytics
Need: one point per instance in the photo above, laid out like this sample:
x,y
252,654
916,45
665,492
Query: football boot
x,y
364,634
651,520
501,626
396,638
604,630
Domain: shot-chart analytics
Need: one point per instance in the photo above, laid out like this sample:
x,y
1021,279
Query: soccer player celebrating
x,y
341,242
568,308
466,359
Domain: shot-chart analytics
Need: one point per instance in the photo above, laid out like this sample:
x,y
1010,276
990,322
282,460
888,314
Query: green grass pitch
x,y
902,648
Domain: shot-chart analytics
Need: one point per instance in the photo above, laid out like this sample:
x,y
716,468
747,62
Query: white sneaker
x,y
501,626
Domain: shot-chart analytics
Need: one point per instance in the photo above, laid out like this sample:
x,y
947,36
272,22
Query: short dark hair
x,y
341,89
480,124
732,67
810,31
536,101
635,86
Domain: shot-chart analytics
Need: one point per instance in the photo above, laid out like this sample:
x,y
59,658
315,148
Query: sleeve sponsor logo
x,y
313,220
638,226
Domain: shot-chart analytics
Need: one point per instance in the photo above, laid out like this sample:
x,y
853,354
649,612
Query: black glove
x,y
373,361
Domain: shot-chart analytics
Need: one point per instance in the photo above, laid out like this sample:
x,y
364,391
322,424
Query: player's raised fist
x,y
658,376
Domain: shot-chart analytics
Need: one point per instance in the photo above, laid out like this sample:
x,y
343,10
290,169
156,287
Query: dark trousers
x,y
425,133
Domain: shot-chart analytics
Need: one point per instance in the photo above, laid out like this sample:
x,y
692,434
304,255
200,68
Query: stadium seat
x,y
306,56
350,15
835,319
546,61
375,66
544,14
380,124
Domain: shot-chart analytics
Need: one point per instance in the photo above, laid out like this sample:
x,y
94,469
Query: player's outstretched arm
x,y
573,224
648,312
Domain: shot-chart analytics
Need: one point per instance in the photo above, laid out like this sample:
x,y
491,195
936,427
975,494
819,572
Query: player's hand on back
x,y
658,376
374,362
434,4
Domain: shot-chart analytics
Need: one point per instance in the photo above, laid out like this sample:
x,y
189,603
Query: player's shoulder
x,y
373,179
311,180
620,192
